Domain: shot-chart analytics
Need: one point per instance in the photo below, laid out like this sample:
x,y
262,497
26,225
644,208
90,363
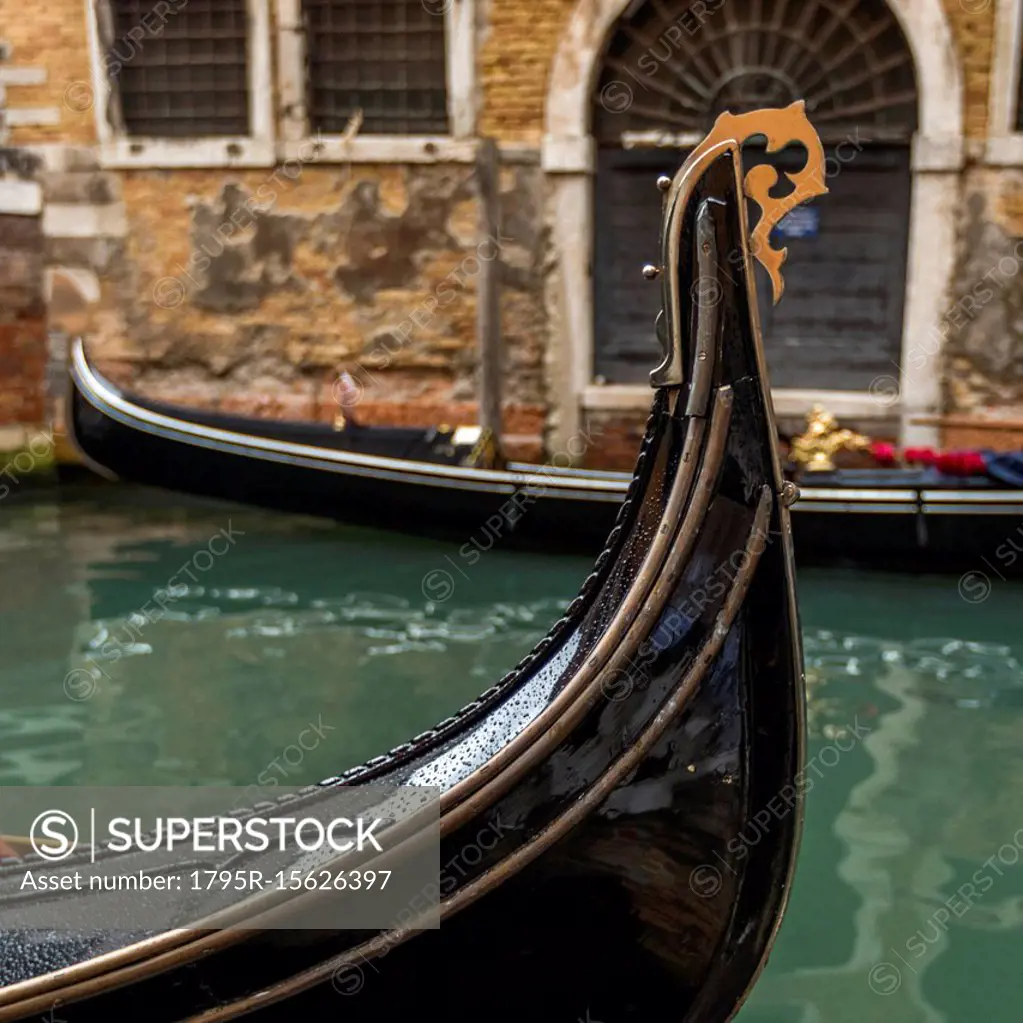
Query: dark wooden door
x,y
839,325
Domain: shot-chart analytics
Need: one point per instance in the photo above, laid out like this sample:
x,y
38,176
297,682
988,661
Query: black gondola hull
x,y
885,518
909,520
618,771
528,508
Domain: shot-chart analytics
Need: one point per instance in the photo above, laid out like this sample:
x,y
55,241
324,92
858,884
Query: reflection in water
x,y
307,648
120,666
911,821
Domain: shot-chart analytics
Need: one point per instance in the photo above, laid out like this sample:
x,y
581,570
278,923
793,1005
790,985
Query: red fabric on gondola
x,y
962,463
1005,467
884,454
920,456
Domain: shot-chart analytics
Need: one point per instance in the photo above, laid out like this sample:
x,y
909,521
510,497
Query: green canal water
x,y
149,640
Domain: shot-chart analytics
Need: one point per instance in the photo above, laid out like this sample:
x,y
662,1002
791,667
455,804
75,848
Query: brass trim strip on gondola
x,y
861,508
553,832
810,494
972,509
612,475
707,312
971,497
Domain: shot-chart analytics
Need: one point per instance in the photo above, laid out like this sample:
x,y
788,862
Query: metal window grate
x,y
674,66
383,57
183,72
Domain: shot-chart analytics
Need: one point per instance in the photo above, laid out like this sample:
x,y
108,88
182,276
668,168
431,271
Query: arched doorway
x,y
668,69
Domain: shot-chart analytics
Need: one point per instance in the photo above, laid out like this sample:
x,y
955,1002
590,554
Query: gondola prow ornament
x,y
780,127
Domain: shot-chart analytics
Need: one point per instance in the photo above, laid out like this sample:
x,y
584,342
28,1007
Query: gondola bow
x,y
618,770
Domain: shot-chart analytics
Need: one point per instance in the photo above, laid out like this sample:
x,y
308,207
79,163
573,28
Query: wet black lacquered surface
x,y
646,907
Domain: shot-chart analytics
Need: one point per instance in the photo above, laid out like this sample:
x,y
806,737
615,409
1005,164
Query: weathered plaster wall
x,y
982,362
248,290
983,366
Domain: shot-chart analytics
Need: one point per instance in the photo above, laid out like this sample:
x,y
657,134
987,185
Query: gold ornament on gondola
x,y
484,454
816,447
780,128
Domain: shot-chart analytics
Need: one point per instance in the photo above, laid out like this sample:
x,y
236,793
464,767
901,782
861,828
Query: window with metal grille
x,y
383,57
182,73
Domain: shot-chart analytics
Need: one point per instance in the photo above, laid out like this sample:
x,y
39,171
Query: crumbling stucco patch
x,y
983,350
386,250
222,291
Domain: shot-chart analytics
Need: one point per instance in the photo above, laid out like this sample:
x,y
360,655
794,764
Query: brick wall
x,y
22,321
973,27
51,36
515,61
612,439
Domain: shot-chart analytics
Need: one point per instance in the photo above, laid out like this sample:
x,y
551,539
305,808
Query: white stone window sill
x,y
1005,150
380,149
167,154
787,401
157,154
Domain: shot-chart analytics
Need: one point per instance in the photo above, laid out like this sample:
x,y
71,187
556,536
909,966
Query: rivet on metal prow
x,y
651,272
664,182
789,493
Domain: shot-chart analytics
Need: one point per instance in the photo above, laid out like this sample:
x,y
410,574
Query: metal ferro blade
x,y
706,294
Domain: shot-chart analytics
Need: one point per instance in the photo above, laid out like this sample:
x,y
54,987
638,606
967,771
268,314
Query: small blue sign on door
x,y
802,222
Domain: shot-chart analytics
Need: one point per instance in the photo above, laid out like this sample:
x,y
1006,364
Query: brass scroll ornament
x,y
780,127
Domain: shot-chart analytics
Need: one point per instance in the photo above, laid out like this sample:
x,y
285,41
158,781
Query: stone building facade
x,y
232,198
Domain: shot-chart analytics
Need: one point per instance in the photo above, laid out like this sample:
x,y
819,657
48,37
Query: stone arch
x,y
568,157
577,64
